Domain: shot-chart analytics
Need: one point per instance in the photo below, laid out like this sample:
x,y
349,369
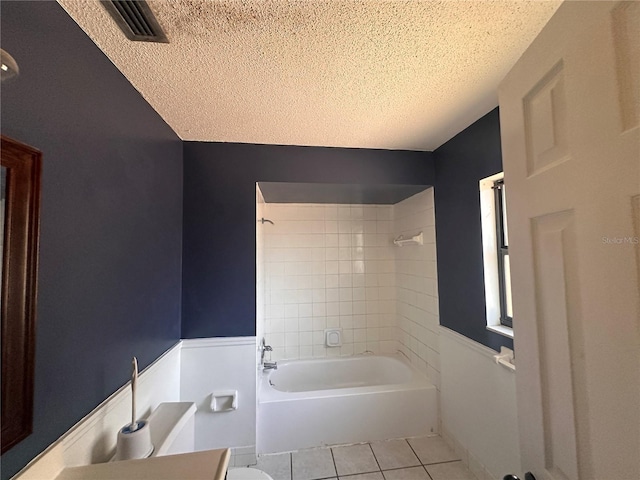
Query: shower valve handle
x,y
264,348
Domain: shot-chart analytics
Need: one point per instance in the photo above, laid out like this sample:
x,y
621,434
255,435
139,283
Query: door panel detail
x,y
553,245
545,122
626,25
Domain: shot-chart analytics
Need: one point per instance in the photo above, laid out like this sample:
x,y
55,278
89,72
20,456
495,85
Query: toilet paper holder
x,y
224,401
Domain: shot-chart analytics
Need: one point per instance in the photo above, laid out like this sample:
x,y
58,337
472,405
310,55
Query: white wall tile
x,y
291,339
414,283
305,324
334,245
276,325
291,311
306,351
332,322
359,308
360,321
319,323
305,309
291,324
334,266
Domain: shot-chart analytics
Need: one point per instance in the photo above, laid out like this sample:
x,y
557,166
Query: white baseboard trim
x,y
468,458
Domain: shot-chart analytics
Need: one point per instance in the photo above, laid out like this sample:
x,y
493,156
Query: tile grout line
x,y
419,459
376,459
335,467
446,461
428,474
414,452
423,465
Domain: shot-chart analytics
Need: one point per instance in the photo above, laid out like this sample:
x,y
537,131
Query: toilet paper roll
x,y
132,443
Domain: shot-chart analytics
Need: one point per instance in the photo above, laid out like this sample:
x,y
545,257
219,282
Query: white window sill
x,y
501,330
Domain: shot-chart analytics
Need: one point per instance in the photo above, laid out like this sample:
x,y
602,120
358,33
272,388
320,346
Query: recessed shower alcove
x,y
328,261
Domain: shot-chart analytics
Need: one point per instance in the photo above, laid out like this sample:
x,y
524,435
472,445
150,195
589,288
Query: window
x,y
495,251
502,244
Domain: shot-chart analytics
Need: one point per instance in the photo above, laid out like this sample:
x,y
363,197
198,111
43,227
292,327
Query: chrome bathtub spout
x,y
270,366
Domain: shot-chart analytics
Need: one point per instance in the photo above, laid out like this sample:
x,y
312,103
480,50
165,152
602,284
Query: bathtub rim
x,y
266,393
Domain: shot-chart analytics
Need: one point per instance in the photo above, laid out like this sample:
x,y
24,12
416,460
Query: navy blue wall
x,y
112,231
470,156
111,218
219,270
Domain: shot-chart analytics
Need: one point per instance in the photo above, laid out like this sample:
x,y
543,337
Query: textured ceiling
x,y
344,73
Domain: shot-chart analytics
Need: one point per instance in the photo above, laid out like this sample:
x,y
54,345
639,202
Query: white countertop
x,y
205,465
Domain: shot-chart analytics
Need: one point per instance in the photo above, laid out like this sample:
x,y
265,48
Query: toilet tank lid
x,y
167,421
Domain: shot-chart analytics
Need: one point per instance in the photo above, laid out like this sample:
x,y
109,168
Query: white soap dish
x,y
333,337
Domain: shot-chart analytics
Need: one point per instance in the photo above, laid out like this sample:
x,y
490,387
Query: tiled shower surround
x,y
417,285
335,266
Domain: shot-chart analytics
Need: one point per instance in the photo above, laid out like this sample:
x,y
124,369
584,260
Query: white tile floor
x,y
423,458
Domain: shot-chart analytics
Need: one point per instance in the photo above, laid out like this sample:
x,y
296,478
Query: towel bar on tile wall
x,y
415,240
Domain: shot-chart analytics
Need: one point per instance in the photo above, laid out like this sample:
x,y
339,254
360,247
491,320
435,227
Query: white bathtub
x,y
311,403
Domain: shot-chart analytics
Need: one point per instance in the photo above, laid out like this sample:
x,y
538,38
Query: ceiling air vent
x,y
136,20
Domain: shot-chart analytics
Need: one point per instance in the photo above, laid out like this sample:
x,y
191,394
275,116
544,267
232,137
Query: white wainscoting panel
x,y
221,364
93,439
478,403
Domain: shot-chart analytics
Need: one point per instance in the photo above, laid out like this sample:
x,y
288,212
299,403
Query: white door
x,y
569,114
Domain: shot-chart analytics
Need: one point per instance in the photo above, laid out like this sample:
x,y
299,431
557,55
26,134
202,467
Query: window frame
x,y
502,249
489,241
